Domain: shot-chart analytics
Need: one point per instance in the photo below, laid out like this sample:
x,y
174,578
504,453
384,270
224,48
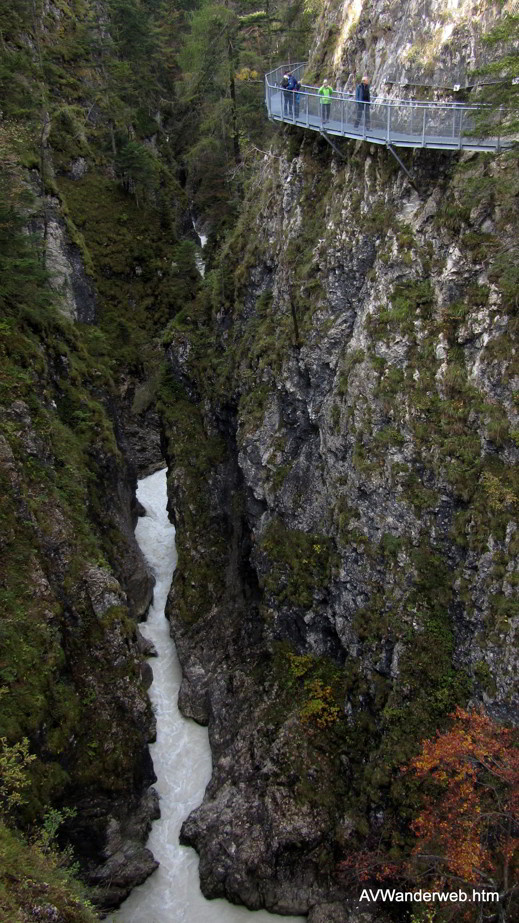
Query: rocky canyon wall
x,y
347,521
85,270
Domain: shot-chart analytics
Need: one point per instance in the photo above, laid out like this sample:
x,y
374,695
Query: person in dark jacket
x,y
288,83
297,99
287,97
363,102
293,86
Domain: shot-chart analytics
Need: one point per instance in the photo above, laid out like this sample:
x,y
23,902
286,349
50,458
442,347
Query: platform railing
x,y
397,122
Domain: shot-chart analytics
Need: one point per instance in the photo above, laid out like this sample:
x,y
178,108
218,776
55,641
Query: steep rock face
x,y
88,259
140,426
417,44
66,268
74,582
84,709
361,408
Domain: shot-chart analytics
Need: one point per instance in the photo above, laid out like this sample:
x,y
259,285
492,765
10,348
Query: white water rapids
x,y
181,755
199,260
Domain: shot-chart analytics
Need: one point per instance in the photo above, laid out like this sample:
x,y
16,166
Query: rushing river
x,y
181,754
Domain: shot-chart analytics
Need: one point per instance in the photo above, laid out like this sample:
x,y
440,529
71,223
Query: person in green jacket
x,y
325,97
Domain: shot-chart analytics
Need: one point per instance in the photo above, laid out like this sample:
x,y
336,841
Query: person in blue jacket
x,y
363,102
291,89
287,96
297,100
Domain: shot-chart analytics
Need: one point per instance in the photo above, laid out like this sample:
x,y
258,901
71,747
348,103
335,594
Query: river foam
x,y
181,755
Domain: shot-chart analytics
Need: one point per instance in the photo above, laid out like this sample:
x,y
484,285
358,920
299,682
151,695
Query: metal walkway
x,y
393,122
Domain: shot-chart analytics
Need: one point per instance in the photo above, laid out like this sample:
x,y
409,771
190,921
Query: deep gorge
x,y
336,402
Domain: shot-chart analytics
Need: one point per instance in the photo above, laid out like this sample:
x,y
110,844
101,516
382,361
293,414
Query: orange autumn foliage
x,y
468,829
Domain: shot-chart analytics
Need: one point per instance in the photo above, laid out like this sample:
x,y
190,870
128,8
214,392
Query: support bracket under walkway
x,y
403,166
389,147
331,143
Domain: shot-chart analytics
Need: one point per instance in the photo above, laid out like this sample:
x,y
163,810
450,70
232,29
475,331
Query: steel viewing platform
x,y
393,122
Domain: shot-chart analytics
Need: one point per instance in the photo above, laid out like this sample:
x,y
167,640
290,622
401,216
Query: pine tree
x,y
501,93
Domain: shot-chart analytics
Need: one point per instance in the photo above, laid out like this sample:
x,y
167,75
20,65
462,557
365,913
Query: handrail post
x,y
423,127
342,115
388,122
307,97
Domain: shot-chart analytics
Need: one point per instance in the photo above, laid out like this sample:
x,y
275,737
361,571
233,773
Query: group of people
x,y
362,97
291,99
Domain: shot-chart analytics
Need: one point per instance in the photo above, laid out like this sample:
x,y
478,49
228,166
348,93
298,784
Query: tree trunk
x,y
112,138
269,32
234,115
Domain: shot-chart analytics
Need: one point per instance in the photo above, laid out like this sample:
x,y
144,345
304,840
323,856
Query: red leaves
x,y
467,832
469,828
369,865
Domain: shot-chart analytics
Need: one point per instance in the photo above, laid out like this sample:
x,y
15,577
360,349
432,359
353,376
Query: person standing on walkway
x,y
325,97
297,99
292,87
363,98
287,96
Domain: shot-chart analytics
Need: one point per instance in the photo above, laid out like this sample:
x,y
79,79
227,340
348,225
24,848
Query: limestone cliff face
x,y
73,582
347,534
394,411
74,288
405,45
